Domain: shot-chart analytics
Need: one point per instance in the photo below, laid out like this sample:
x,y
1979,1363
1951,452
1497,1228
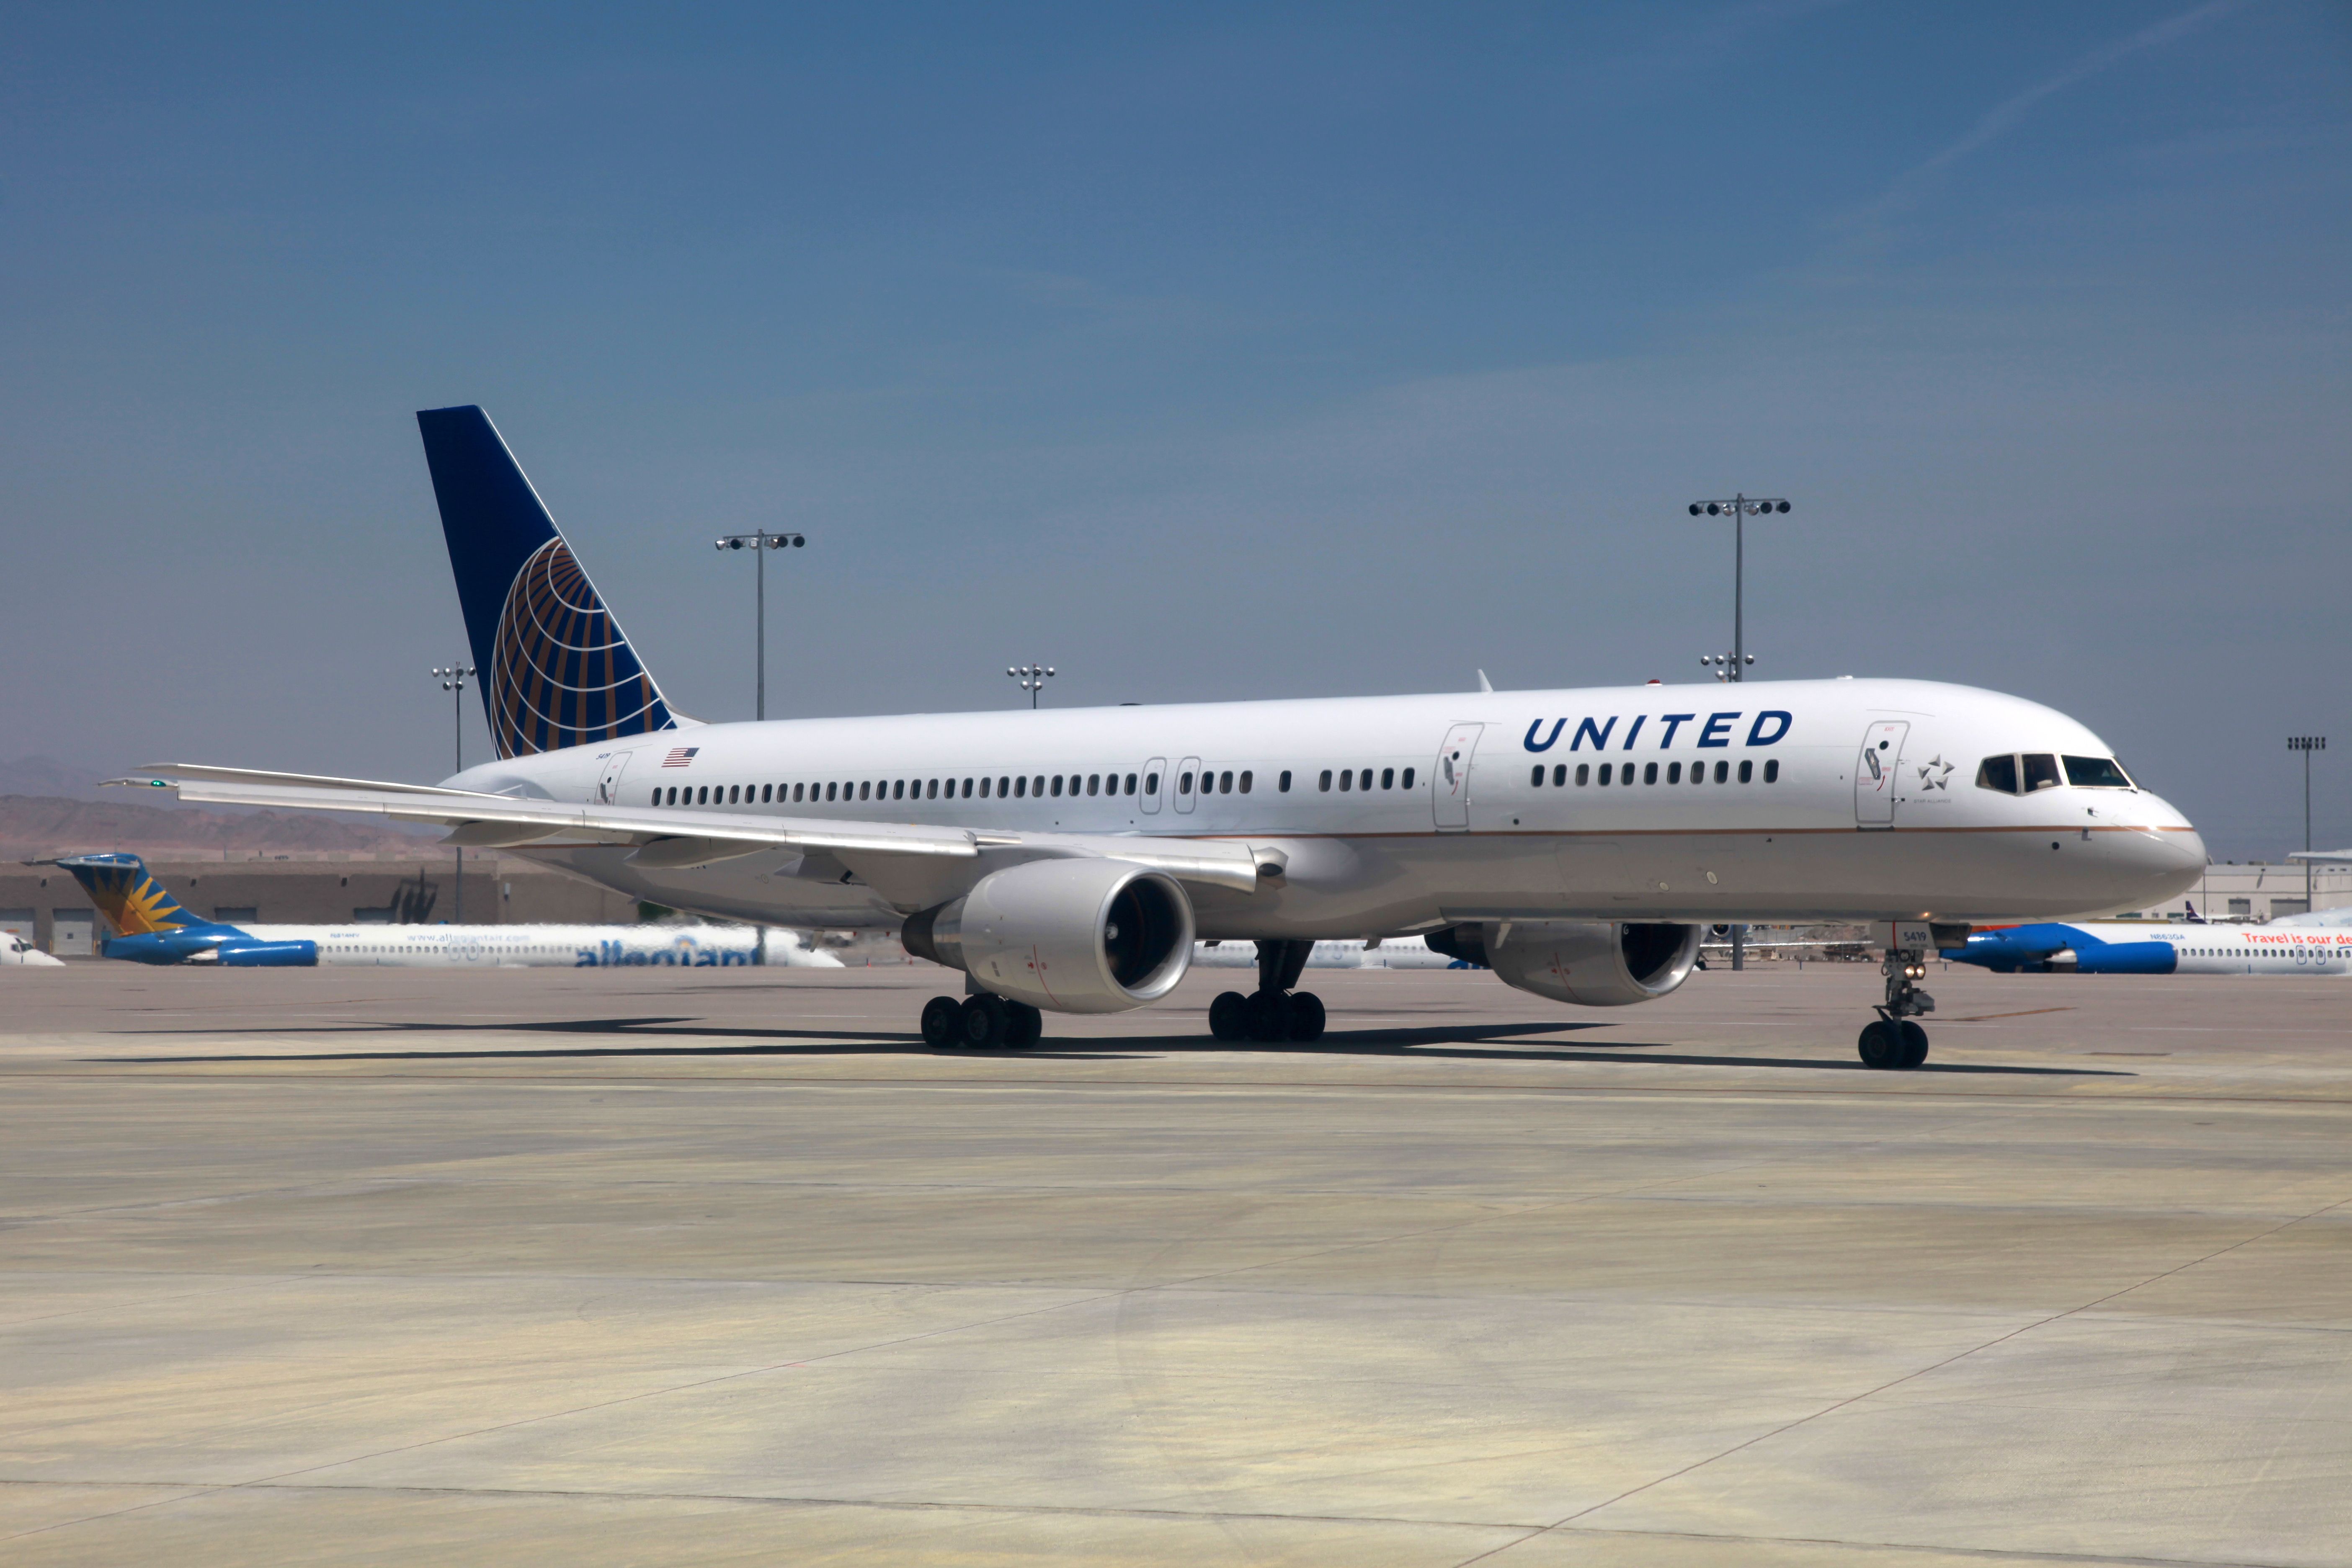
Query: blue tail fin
x,y
130,900
556,668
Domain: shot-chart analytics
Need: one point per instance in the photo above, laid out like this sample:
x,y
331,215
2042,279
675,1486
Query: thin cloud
x,y
2003,117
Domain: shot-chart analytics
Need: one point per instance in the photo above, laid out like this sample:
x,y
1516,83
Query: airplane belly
x,y
779,887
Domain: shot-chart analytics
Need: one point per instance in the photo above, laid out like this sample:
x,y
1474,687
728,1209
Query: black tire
x,y
1229,1016
1880,1046
1269,1016
984,1020
943,1022
1914,1049
1306,1016
1023,1025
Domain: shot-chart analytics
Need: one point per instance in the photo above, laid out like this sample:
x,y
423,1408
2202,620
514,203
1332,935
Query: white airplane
x,y
1573,841
2317,944
146,925
1392,952
16,952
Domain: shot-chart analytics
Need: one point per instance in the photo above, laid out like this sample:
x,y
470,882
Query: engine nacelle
x,y
1594,963
300,955
1069,936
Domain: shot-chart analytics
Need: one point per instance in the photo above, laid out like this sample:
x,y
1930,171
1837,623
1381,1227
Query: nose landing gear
x,y
1894,1043
1274,1012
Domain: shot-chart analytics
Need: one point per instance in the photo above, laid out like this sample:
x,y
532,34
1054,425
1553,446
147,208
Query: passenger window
x,y
730,795
1535,778
1406,782
1184,784
999,787
1583,771
1625,774
1674,772
1365,782
1093,784
1282,785
1058,785
796,795
1997,772
828,791
1649,772
764,790
1346,780
2095,773
1224,783
1246,781
2041,771
1608,771
1722,773
1558,776
1130,784
1019,787
699,796
1388,778
1325,782
1747,770
1152,783
967,789
1772,771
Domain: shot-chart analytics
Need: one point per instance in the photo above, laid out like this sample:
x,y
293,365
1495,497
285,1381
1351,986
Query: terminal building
x,y
2260,890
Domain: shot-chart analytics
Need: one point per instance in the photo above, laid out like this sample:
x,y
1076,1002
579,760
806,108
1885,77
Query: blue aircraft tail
x,y
131,902
556,668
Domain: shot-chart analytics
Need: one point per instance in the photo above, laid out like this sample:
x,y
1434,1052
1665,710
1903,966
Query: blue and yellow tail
x,y
130,900
557,671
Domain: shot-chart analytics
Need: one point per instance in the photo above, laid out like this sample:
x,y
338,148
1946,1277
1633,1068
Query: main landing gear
x,y
979,1022
1274,1012
1894,1043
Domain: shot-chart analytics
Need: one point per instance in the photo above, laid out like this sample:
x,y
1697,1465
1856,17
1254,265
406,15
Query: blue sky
x,y
1204,353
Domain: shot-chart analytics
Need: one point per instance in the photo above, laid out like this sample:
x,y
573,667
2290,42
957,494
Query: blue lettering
x,y
1673,722
1719,730
587,958
703,960
1600,737
1639,719
633,960
1547,745
1756,735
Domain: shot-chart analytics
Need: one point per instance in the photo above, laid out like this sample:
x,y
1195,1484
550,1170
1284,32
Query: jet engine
x,y
1594,963
1069,936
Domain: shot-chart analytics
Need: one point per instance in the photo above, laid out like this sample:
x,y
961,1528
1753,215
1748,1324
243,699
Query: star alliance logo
x,y
1935,773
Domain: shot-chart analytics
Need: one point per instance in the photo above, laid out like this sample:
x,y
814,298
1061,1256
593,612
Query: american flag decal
x,y
679,756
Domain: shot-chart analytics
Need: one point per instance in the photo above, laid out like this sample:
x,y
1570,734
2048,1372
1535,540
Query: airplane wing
x,y
671,839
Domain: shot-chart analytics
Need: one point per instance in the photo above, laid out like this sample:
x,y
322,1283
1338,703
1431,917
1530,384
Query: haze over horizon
x,y
1207,354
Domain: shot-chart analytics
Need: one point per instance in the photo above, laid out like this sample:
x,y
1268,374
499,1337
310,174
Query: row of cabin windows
x,y
1359,778
915,789
1611,773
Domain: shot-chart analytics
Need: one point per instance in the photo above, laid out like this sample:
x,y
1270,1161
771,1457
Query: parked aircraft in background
x,y
1573,841
1391,952
147,925
16,952
2317,944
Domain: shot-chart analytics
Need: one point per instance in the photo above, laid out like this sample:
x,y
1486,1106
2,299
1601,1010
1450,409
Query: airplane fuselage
x,y
1762,801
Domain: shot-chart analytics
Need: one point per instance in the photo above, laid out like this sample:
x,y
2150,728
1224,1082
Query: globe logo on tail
x,y
561,672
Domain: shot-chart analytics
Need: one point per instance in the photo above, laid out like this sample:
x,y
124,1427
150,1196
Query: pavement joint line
x,y
1988,1553
1912,1376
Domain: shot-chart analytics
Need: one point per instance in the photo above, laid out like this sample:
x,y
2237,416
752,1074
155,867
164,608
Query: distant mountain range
x,y
42,827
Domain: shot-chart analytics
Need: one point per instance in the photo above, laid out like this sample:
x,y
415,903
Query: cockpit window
x,y
2097,773
1997,772
2041,771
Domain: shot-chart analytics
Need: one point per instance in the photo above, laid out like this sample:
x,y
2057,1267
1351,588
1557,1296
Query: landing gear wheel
x,y
1880,1045
985,1021
1306,1016
1914,1049
943,1022
1229,1016
1269,1016
1023,1024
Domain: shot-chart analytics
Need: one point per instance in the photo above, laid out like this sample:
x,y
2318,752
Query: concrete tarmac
x,y
645,1266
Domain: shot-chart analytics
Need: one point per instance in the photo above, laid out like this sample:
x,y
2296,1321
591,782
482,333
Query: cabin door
x,y
1874,773
608,786
1450,779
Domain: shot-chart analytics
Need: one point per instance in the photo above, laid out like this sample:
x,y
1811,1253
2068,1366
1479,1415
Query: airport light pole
x,y
1733,667
1033,678
2306,744
760,541
452,681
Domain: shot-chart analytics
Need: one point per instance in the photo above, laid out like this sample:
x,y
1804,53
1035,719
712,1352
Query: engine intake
x,y
1069,936
1594,963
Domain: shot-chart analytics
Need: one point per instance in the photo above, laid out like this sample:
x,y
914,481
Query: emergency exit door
x,y
1450,779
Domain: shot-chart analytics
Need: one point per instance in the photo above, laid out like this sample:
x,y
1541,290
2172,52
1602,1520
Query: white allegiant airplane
x,y
1574,841
2319,942
145,924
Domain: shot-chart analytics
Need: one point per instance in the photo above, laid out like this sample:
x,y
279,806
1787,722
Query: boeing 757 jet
x,y
1574,841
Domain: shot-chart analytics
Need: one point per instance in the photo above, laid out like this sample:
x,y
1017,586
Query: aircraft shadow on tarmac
x,y
1438,1042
